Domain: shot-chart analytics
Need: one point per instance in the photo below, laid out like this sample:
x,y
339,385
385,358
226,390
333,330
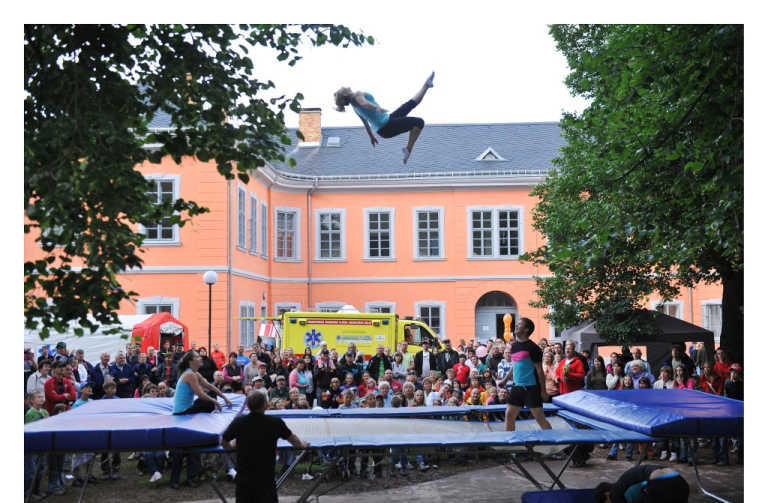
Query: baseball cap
x,y
446,339
280,378
62,344
257,378
261,364
324,351
736,367
351,355
179,343
425,341
88,383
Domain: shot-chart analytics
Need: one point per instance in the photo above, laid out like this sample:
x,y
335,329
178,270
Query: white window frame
x,y
495,255
552,330
242,215
440,229
370,307
318,236
286,306
705,319
176,240
175,303
432,303
264,230
297,233
679,304
247,328
253,223
329,307
366,229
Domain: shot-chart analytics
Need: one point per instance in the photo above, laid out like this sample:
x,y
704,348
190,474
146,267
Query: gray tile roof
x,y
440,148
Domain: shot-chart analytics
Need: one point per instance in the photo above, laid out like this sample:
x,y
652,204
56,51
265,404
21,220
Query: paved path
x,y
498,484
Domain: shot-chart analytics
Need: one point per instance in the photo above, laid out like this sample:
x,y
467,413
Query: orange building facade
x,y
438,238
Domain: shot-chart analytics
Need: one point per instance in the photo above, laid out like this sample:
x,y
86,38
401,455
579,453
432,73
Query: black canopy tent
x,y
657,346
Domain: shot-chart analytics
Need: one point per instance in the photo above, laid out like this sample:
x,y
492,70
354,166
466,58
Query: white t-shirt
x,y
425,364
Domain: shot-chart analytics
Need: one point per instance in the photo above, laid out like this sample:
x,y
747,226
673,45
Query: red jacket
x,y
723,369
219,359
52,396
576,374
715,387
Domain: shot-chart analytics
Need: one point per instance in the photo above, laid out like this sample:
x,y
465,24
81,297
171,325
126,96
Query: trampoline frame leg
x,y
290,469
213,479
689,443
527,474
539,459
563,468
87,476
304,497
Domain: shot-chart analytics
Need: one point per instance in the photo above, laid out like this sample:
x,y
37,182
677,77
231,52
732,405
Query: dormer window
x,y
490,155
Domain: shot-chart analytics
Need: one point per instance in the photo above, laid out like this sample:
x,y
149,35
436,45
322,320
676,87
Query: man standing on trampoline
x,y
528,378
386,125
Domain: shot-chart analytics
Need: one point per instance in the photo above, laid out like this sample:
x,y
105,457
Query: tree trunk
x,y
732,336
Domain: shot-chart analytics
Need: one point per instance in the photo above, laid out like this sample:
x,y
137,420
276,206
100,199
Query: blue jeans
x,y
720,449
615,449
30,466
56,481
192,466
684,450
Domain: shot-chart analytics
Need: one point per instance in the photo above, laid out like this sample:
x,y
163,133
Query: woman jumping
x,y
386,125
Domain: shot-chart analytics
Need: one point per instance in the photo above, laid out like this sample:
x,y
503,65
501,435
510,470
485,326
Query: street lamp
x,y
210,279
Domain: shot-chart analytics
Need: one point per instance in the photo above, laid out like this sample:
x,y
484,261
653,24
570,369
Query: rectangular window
x,y
495,232
431,317
330,235
254,228
286,234
263,230
482,233
380,309
247,327
508,233
158,308
379,235
428,233
240,217
712,318
163,190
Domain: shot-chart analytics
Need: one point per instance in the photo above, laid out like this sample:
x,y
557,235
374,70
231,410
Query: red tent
x,y
157,329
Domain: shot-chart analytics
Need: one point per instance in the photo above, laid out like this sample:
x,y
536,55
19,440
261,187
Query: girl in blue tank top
x,y
375,118
190,384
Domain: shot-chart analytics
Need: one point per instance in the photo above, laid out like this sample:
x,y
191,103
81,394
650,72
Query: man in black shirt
x,y
652,483
254,437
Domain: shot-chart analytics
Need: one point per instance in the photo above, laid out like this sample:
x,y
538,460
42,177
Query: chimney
x,y
309,125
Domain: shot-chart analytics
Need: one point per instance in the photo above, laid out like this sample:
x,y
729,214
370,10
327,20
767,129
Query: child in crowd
x,y
36,412
82,459
56,480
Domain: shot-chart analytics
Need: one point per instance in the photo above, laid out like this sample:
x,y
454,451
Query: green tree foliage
x,y
649,192
91,91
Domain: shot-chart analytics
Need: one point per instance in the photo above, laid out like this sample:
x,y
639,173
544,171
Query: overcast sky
x,y
495,71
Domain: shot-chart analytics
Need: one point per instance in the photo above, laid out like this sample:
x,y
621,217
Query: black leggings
x,y
398,123
198,406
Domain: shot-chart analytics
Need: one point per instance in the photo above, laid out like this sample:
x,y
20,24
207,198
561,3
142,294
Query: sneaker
x,y
399,466
133,456
105,476
306,476
435,466
423,467
610,457
232,473
59,492
664,455
673,457
621,447
38,496
155,477
409,466
115,476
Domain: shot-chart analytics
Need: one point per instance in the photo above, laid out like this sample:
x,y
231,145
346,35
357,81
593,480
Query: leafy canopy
x,y
91,92
648,195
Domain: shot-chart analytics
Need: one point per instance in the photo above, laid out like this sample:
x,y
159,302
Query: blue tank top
x,y
373,117
184,396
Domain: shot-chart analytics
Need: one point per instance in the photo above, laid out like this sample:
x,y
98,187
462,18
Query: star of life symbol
x,y
313,339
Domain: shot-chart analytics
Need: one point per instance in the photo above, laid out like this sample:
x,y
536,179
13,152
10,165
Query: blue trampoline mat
x,y
128,424
660,412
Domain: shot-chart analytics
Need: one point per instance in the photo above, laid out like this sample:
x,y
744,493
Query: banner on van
x,y
357,339
340,322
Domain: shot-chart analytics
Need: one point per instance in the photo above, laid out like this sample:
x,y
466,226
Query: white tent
x,y
93,344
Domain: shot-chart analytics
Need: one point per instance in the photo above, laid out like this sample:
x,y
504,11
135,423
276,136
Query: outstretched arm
x,y
205,384
359,99
374,141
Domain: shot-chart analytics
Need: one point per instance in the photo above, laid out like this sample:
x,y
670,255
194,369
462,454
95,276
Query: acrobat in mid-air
x,y
387,125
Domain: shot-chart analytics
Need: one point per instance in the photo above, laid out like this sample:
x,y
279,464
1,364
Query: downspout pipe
x,y
229,265
310,256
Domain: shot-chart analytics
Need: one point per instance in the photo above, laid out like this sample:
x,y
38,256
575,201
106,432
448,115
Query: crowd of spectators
x,y
392,377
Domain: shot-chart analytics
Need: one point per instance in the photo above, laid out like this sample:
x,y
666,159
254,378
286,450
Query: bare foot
x,y
430,79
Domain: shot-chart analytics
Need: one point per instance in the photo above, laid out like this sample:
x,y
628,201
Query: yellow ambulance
x,y
300,330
